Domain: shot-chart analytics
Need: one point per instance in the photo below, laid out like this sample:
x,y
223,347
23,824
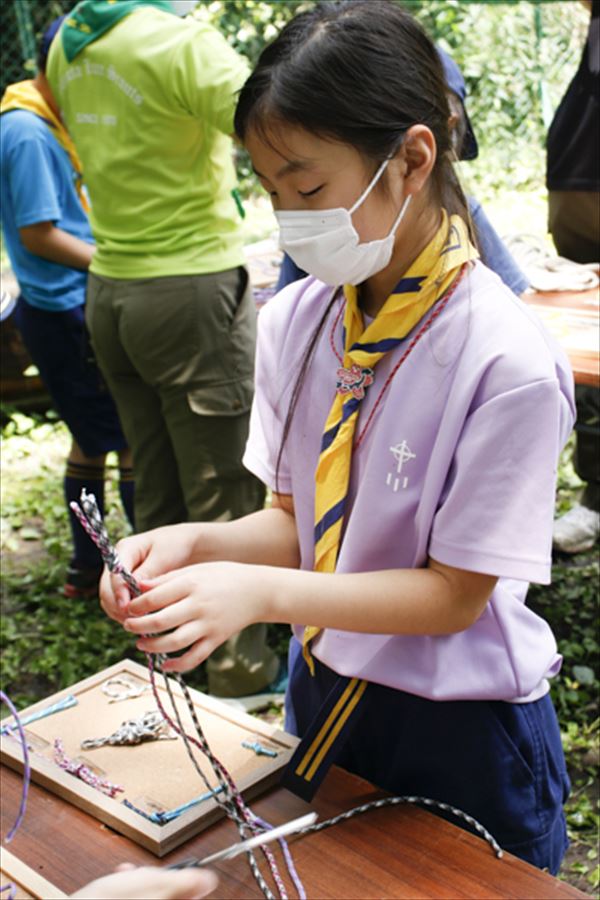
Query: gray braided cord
x,y
227,801
420,801
91,520
230,803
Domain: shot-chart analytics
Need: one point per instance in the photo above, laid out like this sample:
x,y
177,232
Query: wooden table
x,y
573,317
401,852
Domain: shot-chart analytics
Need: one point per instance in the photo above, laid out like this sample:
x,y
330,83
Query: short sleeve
x,y
497,506
32,179
268,414
206,75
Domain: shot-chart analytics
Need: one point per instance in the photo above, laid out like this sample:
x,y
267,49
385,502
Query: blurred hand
x,y
150,883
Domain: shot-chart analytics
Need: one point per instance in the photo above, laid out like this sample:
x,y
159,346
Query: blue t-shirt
x,y
37,184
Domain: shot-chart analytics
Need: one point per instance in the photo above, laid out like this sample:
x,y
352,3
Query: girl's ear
x,y
418,153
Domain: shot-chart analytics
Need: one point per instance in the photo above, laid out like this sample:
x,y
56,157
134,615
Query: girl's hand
x,y
146,556
149,883
196,609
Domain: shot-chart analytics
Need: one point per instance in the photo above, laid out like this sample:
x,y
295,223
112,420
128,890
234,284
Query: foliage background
x,y
517,58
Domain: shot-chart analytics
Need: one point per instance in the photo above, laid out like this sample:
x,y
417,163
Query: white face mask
x,y
325,243
183,7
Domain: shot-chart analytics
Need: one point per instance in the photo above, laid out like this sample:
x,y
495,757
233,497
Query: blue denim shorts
x,y
501,763
58,345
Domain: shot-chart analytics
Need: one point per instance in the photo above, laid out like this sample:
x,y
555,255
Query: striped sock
x,y
77,476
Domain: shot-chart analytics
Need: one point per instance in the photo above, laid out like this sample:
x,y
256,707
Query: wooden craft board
x,y
155,775
29,884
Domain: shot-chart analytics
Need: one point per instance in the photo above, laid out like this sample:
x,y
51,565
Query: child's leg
x,y
127,484
57,344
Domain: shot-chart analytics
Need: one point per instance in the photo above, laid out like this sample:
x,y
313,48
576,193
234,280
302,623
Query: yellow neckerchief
x,y
25,95
428,278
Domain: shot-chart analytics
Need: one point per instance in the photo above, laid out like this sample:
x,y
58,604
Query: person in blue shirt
x,y
493,251
50,245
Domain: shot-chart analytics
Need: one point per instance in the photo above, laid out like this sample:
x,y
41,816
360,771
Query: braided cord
x,y
232,802
417,801
26,766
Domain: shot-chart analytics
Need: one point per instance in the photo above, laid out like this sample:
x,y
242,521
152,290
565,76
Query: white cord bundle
x,y
546,270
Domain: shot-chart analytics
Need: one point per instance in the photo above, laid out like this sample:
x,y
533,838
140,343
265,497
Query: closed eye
x,y
311,193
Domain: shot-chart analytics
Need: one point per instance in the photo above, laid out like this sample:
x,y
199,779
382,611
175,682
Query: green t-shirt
x,y
150,107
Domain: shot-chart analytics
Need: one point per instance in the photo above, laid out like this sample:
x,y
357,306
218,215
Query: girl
x,y
408,417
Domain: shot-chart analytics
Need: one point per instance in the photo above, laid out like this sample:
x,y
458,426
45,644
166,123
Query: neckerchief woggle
x,y
92,18
25,95
427,279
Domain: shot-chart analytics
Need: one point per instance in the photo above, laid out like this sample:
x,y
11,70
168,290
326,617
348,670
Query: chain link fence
x,y
22,24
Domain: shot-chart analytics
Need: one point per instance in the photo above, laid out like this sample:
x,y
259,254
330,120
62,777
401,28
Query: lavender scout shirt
x,y
459,464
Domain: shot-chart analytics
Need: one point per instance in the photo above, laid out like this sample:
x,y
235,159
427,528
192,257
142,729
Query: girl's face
x,y
302,171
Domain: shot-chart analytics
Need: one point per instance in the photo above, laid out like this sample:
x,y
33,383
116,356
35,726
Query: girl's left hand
x,y
196,609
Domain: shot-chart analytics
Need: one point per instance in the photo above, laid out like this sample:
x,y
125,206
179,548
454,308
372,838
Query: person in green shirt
x,y
148,99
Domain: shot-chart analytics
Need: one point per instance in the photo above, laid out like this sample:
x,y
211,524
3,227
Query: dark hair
x,y
361,72
358,71
45,42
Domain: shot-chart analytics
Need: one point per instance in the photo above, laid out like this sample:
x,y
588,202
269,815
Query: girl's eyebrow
x,y
293,165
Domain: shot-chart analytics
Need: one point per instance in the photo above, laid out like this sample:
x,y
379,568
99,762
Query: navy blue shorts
x,y
502,763
58,345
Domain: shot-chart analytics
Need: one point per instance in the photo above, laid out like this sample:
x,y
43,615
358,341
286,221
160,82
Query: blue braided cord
x,y
65,703
161,818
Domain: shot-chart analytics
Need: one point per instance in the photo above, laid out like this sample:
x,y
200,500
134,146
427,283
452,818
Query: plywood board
x,y
157,776
28,884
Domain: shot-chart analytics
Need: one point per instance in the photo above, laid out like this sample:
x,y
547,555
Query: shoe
x,y
81,582
577,530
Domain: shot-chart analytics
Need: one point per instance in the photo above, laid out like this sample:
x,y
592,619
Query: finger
x,y
162,620
133,550
109,596
177,640
163,577
184,884
195,655
159,597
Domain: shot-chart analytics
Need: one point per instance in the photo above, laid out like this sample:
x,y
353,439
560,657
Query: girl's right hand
x,y
148,555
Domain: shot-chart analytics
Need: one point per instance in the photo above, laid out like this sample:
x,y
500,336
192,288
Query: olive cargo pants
x,y
177,354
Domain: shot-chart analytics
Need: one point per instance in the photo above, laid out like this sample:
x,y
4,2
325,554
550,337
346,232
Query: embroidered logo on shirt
x,y
402,454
